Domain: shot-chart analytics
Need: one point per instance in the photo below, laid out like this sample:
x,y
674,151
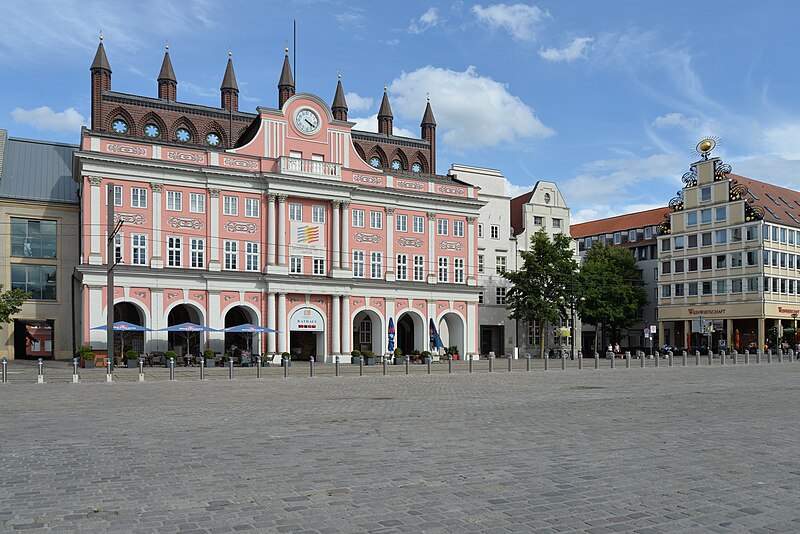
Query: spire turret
x,y
101,81
167,83
385,116
286,81
339,107
428,127
229,89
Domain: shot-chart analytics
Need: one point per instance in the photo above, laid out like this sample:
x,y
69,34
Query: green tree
x,y
613,288
544,283
10,303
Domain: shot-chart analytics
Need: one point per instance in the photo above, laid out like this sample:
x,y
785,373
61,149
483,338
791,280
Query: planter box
x,y
401,360
87,364
210,363
133,364
370,361
354,360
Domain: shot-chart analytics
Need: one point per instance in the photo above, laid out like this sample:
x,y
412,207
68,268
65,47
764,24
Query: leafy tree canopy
x,y
10,303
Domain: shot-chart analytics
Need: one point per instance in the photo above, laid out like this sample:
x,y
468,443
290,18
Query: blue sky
x,y
607,98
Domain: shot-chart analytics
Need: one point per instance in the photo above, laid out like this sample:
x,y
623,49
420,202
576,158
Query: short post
x,y
734,354
172,369
360,366
613,359
769,355
746,357
75,377
408,364
109,377
546,362
141,369
491,363
791,355
722,357
202,368
428,361
40,377
642,362
510,364
596,360
385,369
669,355
710,356
230,369
684,355
5,370
336,367
627,359
758,356
258,366
656,357
527,361
580,360
311,367
286,367
780,355
697,357
449,366
563,362
470,364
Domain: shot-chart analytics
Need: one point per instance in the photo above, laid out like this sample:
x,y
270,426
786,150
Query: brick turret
x,y
385,116
229,89
428,127
286,82
101,81
167,83
339,107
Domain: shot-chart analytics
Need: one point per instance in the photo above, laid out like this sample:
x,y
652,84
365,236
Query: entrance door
x,y
304,345
33,339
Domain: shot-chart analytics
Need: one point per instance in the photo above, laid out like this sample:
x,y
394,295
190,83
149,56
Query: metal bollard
x,y
360,366
546,362
722,357
734,355
780,355
172,369
596,360
311,367
470,364
746,356
40,377
230,369
202,368
385,369
141,369
791,355
769,355
642,362
669,355
450,366
75,377
580,360
109,377
428,361
684,355
613,359
5,370
338,370
491,363
563,362
527,362
510,364
656,357
286,367
628,359
758,356
697,357
258,367
408,364
710,357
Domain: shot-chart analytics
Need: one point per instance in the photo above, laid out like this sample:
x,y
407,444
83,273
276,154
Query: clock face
x,y
306,121
547,198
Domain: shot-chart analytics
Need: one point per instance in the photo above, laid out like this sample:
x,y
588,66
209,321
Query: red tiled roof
x,y
620,223
517,204
779,211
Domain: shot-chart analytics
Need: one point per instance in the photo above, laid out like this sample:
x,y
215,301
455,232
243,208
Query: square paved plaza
x,y
638,450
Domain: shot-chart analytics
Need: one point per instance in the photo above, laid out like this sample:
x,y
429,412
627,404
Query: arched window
x,y
365,331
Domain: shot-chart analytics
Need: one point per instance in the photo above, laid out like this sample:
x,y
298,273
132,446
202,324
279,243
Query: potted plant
x,y
369,357
426,356
399,359
354,356
169,355
87,358
286,359
132,357
209,355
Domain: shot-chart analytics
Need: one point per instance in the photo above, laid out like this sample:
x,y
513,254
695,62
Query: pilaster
x,y
213,235
157,260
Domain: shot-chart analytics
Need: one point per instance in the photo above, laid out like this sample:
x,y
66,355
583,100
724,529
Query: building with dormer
x,y
286,217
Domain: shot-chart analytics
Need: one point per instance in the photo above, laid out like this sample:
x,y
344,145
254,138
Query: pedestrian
x,y
616,348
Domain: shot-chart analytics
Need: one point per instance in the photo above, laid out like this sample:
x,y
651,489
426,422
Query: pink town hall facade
x,y
286,218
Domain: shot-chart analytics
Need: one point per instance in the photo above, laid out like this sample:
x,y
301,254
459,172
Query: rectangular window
x,y
752,284
533,335
774,234
174,201
720,213
648,233
38,280
480,229
118,256
706,239
296,265
376,220
691,241
231,255
230,205
197,203
774,259
500,295
618,239
441,227
791,237
721,237
480,297
692,267
783,260
736,285
138,197
678,290
791,261
666,268
401,223
678,243
678,266
752,258
736,235
495,231
419,268
706,263
358,264
736,259
692,289
458,270
138,249
318,214
666,290
501,263
783,235
691,218
296,212
174,251
443,268
705,194
665,244
358,218
705,216
480,262
791,287
198,260
458,228
402,267
538,221
632,235
117,195
33,238
752,233
722,287
419,225
722,261
251,256
318,266
556,223
252,207
376,265
707,288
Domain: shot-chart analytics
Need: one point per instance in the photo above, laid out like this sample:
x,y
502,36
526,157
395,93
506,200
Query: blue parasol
x,y
436,341
391,335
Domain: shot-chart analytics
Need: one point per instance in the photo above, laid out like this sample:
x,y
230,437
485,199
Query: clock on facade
x,y
306,121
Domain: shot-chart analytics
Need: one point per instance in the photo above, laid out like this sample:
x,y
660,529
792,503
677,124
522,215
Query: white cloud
x,y
574,50
353,17
370,124
472,111
392,42
356,102
427,20
514,190
676,120
522,21
44,118
783,140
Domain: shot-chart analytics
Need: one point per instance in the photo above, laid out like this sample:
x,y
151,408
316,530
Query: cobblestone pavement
x,y
693,449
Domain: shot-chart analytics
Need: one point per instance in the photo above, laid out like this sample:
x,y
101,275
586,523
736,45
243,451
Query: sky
x,y
606,98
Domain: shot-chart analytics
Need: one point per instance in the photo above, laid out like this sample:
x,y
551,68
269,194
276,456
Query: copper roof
x,y
620,223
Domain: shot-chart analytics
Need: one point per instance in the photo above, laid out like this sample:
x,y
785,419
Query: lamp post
x,y
794,325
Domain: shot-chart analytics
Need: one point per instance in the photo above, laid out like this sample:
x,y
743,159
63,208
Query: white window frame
x,y
318,214
296,265
442,227
230,205
443,269
480,229
252,208
501,264
481,262
358,262
401,266
500,295
197,203
252,256
376,220
197,253
174,251
401,223
458,228
174,200
357,218
494,231
419,268
295,212
139,249
138,197
376,264
231,256
117,195
419,224
119,256
318,266
458,270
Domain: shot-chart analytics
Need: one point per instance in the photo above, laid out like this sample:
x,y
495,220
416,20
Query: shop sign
x,y
712,311
306,320
790,311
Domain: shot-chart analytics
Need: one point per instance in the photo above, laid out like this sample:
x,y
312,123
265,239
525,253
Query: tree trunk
x,y
541,338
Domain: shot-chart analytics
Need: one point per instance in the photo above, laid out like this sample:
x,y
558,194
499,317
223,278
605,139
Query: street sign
x,y
652,329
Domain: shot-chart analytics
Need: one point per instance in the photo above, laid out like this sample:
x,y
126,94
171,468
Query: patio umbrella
x,y
187,329
391,336
436,341
122,327
249,329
